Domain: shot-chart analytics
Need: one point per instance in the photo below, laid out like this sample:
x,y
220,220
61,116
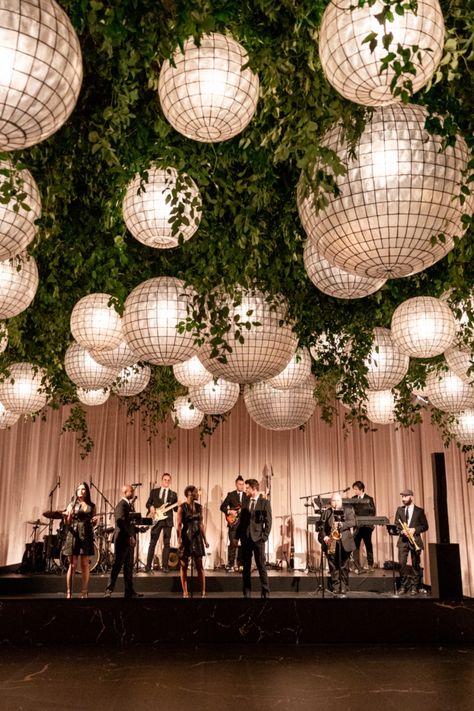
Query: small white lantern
x,y
192,373
185,415
204,92
152,313
149,207
84,371
447,392
133,380
380,406
460,362
7,418
41,71
215,398
354,70
423,327
119,357
386,365
296,372
93,397
95,323
463,428
23,391
17,224
277,409
18,285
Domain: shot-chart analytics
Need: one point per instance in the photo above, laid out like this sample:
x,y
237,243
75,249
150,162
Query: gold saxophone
x,y
335,536
406,531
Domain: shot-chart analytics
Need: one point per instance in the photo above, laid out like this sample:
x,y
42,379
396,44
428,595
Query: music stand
x,y
393,530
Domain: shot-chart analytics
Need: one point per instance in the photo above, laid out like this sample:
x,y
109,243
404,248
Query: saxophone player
x,y
411,521
337,541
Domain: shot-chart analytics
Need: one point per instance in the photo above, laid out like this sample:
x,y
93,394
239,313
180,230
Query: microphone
x,y
139,483
344,490
90,481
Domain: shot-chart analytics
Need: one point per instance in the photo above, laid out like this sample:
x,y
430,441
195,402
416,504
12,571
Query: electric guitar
x,y
232,516
161,511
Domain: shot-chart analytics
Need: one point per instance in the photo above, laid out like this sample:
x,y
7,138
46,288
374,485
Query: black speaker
x,y
445,567
173,559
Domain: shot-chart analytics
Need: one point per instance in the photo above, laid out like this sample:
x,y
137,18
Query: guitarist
x,y
231,507
159,499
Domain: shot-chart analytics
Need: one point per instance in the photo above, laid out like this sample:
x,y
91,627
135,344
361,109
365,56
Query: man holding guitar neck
x,y
161,503
231,507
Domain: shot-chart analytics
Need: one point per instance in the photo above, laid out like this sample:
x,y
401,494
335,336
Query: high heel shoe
x,y
84,594
68,595
185,594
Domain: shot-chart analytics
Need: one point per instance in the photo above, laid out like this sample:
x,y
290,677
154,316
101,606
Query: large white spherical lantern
x,y
354,70
204,93
277,409
119,357
267,348
41,71
460,362
296,372
380,406
463,427
185,415
18,285
334,281
133,380
398,193
447,392
95,323
192,373
7,418
93,397
215,398
149,207
152,313
17,224
23,391
423,327
84,371
386,364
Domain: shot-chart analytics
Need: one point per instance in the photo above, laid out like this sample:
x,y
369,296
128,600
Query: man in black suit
x,y
231,507
160,499
253,531
337,542
124,544
364,505
410,541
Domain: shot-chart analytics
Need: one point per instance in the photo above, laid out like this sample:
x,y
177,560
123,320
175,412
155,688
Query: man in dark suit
x,y
412,522
231,507
364,505
124,545
161,505
337,542
253,531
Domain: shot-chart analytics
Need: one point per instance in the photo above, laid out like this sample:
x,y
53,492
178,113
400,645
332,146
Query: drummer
x,y
80,517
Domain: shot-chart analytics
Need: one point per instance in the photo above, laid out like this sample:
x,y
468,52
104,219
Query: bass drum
x,y
93,560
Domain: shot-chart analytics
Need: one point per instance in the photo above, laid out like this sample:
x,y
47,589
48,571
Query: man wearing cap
x,y
410,541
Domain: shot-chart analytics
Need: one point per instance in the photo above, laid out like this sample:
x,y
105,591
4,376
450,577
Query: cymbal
x,y
37,523
53,514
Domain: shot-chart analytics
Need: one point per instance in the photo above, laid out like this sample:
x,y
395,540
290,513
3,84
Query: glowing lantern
x,y
23,391
185,415
423,327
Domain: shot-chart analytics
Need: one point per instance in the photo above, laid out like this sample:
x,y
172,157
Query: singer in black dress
x,y
79,543
191,539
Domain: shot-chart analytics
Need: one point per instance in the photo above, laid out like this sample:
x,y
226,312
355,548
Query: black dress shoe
x,y
402,591
265,593
247,593
133,595
147,569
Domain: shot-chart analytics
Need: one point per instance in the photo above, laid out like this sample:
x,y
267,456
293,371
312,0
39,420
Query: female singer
x,y
80,519
191,539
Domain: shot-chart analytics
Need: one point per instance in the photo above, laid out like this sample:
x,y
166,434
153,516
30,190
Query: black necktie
x,y
252,505
406,514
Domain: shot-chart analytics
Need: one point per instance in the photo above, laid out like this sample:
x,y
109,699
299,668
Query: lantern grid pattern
x,y
423,327
147,210
397,194
215,398
119,357
386,365
41,71
380,406
206,96
18,285
296,372
192,373
95,324
22,392
84,371
277,409
133,380
463,428
354,70
17,228
460,362
447,392
185,415
152,312
7,418
93,397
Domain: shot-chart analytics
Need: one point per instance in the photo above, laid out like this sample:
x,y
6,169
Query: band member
x,y
253,531
124,544
364,506
412,522
79,543
231,507
161,503
191,539
337,541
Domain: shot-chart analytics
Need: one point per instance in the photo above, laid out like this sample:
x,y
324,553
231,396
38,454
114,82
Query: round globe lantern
x,y
215,398
17,219
296,372
380,406
95,323
447,392
93,397
7,419
463,427
277,409
386,365
461,363
185,415
119,357
18,285
423,327
192,373
133,380
84,371
23,391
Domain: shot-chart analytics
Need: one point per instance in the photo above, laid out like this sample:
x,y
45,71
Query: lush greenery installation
x,y
250,233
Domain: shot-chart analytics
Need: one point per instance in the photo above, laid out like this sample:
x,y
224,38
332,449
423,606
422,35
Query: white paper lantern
x,y
447,392
463,428
460,362
334,281
277,409
267,348
354,70
205,94
23,391
7,418
133,380
216,397
18,285
380,406
192,373
185,415
399,191
296,372
3,337
17,224
152,313
93,397
119,357
386,365
41,71
84,371
423,327
95,323
148,210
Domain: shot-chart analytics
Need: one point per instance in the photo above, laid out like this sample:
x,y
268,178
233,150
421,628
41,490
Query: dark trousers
x,y
410,577
339,569
364,534
154,536
123,557
233,548
258,549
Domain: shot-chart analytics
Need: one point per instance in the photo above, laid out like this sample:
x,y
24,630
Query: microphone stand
x,y
49,560
104,563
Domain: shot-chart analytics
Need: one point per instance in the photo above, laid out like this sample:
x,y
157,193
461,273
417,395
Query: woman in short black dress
x,y
80,519
191,538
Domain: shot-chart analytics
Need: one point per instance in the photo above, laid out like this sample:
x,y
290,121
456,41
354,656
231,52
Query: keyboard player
x,y
364,506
